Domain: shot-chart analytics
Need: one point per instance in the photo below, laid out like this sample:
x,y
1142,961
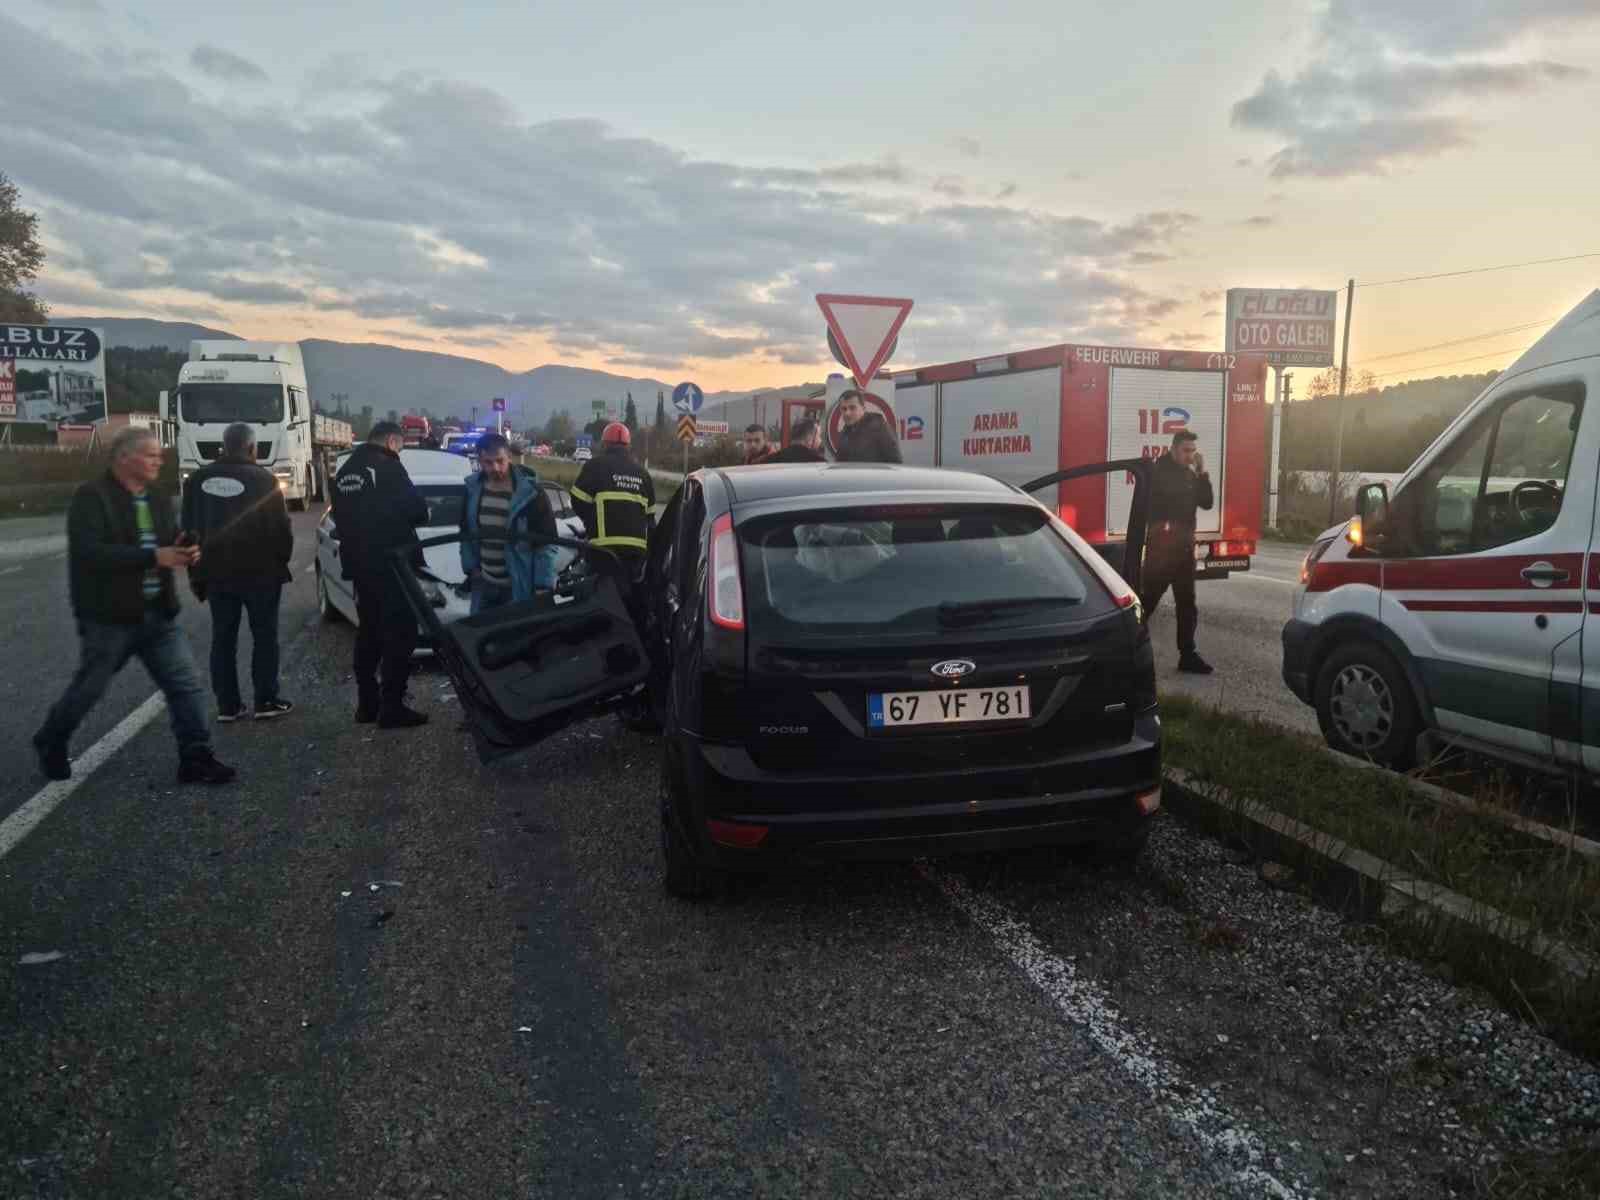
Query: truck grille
x,y
212,450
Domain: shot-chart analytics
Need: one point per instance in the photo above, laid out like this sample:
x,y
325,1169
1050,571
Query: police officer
x,y
1178,485
376,508
614,496
235,510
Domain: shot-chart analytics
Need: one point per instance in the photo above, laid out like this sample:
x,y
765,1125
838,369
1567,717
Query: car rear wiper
x,y
973,612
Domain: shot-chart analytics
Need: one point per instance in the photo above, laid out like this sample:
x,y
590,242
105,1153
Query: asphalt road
x,y
374,968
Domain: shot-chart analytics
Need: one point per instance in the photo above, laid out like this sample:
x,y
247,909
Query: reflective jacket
x,y
375,508
235,510
614,496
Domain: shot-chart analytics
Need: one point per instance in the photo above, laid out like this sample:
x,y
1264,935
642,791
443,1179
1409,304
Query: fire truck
x,y
1025,415
415,429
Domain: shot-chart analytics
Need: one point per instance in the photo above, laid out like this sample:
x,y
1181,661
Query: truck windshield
x,y
224,403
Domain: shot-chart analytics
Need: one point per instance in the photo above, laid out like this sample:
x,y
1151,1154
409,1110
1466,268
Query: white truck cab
x,y
264,385
1457,610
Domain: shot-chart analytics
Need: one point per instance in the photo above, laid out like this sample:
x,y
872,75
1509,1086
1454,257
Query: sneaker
x,y
1192,664
204,768
273,708
229,716
401,717
53,759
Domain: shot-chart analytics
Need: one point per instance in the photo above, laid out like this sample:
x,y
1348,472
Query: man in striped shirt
x,y
503,501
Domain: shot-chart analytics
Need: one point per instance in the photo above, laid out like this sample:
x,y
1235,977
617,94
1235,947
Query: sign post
x,y
499,414
686,435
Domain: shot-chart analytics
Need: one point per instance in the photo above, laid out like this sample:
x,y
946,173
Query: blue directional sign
x,y
687,397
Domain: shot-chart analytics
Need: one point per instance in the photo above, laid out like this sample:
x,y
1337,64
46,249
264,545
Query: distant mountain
x,y
140,333
390,377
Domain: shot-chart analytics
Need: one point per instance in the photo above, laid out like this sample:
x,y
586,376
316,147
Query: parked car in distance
x,y
848,661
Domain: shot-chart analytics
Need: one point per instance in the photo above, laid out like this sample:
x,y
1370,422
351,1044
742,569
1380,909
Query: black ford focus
x,y
848,660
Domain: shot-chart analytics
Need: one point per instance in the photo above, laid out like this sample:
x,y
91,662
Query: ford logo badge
x,y
953,668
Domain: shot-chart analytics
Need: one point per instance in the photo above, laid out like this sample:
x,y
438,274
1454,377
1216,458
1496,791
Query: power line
x,y
1451,362
1477,337
1532,262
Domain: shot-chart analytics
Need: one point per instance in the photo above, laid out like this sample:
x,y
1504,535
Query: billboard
x,y
1288,327
56,373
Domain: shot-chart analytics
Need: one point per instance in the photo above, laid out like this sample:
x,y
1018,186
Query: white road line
x,y
1196,1109
1266,579
10,571
48,798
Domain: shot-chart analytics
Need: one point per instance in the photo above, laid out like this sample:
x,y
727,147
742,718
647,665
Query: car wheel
x,y
682,874
1365,706
325,606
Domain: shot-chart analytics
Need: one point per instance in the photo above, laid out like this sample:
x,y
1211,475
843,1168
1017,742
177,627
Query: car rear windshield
x,y
914,571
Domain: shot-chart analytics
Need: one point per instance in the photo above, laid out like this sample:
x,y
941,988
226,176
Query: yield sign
x,y
865,328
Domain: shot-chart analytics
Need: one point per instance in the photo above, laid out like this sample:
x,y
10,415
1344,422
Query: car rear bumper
x,y
1299,638
1082,796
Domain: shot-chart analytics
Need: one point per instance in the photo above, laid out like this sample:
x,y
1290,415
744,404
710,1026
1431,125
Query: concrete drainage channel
x,y
1372,889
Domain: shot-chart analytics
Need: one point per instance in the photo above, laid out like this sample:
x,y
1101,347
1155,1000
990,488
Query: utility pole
x,y
1275,484
1338,426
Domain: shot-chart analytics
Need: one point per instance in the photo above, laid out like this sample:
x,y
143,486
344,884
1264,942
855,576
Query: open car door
x,y
1126,559
528,670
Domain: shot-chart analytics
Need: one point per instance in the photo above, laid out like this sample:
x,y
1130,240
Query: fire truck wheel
x,y
1365,706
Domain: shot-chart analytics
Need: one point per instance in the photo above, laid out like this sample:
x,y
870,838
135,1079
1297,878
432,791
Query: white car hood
x,y
444,562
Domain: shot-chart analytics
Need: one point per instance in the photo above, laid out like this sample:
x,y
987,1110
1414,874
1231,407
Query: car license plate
x,y
1225,564
891,710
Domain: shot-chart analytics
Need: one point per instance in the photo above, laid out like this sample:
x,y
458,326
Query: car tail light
x,y
727,590
1232,549
1147,802
731,833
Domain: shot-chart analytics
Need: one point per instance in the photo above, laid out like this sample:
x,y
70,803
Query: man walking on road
x,y
805,444
235,510
1178,485
864,436
504,500
376,509
122,548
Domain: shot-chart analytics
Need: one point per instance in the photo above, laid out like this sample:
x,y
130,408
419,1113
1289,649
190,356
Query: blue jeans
x,y
228,605
163,649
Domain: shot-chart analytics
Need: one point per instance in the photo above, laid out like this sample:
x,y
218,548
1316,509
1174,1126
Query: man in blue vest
x,y
503,501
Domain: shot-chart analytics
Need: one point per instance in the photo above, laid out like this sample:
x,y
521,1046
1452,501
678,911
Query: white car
x,y
441,478
582,454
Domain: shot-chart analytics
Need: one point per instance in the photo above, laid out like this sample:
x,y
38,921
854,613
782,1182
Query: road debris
x,y
38,958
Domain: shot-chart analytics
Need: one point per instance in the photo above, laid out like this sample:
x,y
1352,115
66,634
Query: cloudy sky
x,y
663,188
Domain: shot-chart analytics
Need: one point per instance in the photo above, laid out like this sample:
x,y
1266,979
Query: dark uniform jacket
x,y
1175,493
869,440
614,496
235,510
376,508
106,564
796,453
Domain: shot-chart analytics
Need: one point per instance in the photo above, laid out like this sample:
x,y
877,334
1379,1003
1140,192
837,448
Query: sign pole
x,y
1338,427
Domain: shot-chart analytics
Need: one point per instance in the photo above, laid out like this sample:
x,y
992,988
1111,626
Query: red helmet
x,y
616,434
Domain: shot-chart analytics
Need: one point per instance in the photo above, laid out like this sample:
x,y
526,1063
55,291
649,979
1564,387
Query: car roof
x,y
781,481
430,466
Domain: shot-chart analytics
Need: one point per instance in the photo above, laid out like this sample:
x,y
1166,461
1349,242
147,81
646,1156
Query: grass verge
x,y
1553,891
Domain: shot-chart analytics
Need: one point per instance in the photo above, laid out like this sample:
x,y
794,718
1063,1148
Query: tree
x,y
661,412
630,415
21,256
596,427
560,427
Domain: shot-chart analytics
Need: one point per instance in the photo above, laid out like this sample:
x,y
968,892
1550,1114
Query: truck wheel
x,y
1365,706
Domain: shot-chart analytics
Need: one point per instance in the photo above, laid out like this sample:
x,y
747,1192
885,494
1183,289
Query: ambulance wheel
x,y
1365,706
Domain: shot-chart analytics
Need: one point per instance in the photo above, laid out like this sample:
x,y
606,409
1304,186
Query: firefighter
x,y
613,497
1178,485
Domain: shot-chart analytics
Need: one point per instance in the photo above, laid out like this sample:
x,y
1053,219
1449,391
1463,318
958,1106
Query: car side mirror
x,y
1372,515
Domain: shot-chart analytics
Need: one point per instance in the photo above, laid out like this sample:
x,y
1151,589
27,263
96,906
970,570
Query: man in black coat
x,y
1178,485
376,510
122,548
865,436
235,510
805,444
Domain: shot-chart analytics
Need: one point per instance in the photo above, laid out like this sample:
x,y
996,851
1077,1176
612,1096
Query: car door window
x,y
1504,480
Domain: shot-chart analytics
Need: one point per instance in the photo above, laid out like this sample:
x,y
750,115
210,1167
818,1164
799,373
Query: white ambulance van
x,y
1456,612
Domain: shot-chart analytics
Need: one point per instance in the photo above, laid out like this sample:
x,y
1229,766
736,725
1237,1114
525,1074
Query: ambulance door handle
x,y
1543,574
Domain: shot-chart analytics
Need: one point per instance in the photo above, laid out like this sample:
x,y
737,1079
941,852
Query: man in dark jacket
x,y
805,444
376,510
756,449
235,510
1178,485
864,436
122,547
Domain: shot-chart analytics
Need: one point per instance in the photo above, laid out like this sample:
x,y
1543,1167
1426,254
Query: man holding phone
x,y
1178,485
123,546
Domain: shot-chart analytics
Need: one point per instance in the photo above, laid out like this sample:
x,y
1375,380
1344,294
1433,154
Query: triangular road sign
x,y
865,328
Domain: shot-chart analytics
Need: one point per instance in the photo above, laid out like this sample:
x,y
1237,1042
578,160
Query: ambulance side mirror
x,y
1372,515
